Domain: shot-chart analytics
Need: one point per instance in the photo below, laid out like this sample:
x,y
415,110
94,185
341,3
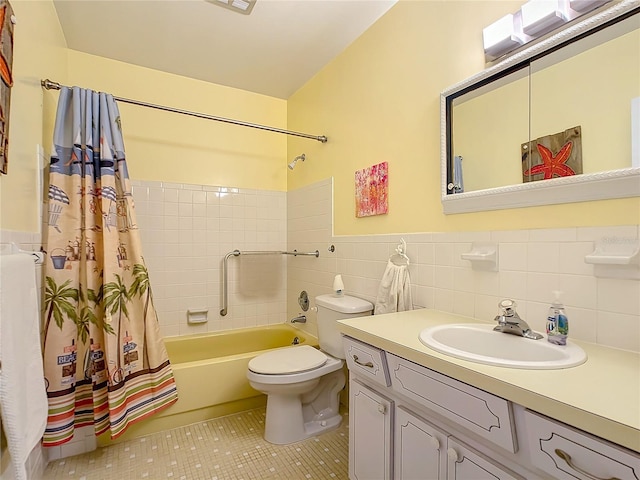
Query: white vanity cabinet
x,y
477,411
390,438
408,422
420,449
370,434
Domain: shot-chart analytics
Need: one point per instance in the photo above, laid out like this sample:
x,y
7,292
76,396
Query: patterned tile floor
x,y
227,448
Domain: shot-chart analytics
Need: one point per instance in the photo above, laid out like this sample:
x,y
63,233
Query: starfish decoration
x,y
553,165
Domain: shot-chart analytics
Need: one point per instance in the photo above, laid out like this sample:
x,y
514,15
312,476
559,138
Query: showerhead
x,y
295,160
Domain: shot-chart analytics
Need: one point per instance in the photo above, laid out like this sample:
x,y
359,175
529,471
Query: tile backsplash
x,y
532,264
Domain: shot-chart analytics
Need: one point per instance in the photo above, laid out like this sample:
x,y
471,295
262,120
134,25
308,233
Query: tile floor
x,y
227,448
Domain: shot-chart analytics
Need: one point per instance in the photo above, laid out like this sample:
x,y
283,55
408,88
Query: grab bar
x,y
237,253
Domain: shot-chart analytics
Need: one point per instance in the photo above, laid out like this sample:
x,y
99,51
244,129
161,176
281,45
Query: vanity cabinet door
x,y
370,434
464,463
420,448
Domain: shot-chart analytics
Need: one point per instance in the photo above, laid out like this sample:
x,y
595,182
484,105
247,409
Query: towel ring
x,y
400,257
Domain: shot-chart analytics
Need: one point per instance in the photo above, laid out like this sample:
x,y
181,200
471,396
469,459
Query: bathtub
x,y
210,373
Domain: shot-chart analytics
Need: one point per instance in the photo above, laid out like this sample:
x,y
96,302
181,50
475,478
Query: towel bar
x,y
38,257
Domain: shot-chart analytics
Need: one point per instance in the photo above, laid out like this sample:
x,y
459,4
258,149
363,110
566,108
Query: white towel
x,y
458,180
394,293
23,397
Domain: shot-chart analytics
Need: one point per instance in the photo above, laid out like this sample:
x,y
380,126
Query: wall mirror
x,y
579,87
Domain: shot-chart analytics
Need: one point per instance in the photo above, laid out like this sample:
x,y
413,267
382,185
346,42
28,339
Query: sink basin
x,y
481,344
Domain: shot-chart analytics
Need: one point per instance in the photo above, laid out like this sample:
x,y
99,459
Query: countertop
x,y
601,396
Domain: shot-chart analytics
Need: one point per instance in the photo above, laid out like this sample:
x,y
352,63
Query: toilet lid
x,y
288,360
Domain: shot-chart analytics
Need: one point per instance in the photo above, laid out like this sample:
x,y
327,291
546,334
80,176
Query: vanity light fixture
x,y
542,16
585,5
240,6
534,19
501,37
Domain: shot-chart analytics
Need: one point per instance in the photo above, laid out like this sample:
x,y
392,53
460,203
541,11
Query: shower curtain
x,y
105,363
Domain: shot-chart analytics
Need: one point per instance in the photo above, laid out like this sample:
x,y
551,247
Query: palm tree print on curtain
x,y
104,359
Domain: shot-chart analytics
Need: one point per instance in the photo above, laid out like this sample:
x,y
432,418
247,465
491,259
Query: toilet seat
x,y
287,361
303,385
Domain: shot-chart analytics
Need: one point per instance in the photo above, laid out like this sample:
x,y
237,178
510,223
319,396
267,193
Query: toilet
x,y
303,383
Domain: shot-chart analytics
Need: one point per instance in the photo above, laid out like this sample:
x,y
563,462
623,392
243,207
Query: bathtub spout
x,y
300,319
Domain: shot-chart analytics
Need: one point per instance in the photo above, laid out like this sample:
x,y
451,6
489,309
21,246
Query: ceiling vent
x,y
240,6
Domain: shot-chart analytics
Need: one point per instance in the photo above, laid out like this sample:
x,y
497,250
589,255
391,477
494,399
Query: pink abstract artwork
x,y
372,186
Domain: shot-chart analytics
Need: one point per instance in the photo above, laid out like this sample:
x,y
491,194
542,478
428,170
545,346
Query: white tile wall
x,y
84,440
186,231
532,263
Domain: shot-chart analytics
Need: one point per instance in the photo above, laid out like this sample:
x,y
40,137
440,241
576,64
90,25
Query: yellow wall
x,y
379,101
160,146
166,146
39,51
600,100
491,127
488,132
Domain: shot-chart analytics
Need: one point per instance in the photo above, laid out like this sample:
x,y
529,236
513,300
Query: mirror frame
x,y
621,183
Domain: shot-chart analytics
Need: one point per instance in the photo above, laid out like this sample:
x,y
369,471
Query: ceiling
x,y
273,51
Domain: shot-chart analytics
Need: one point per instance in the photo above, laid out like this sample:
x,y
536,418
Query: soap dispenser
x,y
557,322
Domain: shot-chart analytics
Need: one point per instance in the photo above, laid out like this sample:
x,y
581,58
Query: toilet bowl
x,y
303,383
303,397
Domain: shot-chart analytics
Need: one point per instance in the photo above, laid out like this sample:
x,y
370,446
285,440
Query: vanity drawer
x,y
567,453
366,361
467,406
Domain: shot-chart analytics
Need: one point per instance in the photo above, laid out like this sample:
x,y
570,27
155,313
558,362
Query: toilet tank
x,y
332,308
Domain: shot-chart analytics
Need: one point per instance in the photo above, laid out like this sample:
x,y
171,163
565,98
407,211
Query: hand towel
x,y
458,181
394,293
23,397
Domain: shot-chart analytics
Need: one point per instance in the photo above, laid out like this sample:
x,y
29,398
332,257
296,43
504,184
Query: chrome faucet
x,y
300,319
510,322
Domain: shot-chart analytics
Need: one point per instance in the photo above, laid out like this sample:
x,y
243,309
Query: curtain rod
x,y
51,85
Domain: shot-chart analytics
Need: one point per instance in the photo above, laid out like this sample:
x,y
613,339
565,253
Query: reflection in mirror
x,y
489,124
552,124
592,87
